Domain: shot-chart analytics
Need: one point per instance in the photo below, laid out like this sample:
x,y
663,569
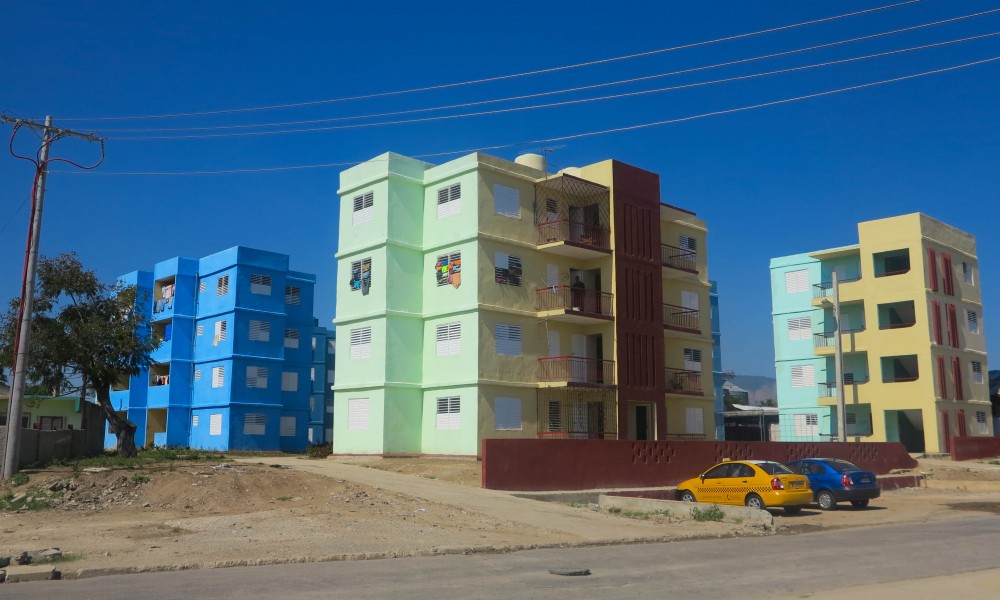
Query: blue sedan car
x,y
833,480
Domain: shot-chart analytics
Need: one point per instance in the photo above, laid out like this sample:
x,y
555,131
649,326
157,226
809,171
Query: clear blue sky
x,y
769,182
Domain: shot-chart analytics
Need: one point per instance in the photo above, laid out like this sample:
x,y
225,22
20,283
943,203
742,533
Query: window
x,y
312,376
851,418
803,376
201,330
260,331
289,381
256,377
449,339
695,421
688,243
361,276
555,416
942,378
981,422
357,414
221,327
292,338
197,374
507,414
508,339
361,343
506,201
202,286
254,424
796,281
222,285
551,275
692,359
449,200
287,426
977,371
973,320
449,413
218,376
805,424
936,320
508,269
293,295
448,269
800,328
194,420
364,208
967,273
215,424
932,273
690,300
953,339
949,275
260,284
956,370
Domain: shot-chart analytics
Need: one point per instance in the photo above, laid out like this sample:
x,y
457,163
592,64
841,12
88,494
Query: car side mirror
x,y
702,477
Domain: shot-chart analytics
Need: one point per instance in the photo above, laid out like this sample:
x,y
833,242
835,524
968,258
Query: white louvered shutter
x,y
797,281
448,339
260,331
364,208
357,414
799,328
803,376
507,414
449,413
287,426
215,424
361,343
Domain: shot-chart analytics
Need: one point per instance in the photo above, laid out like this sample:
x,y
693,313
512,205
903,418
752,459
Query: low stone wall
x,y
545,465
968,448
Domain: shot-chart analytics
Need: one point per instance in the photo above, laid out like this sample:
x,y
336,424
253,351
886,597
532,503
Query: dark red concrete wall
x,y
967,448
639,293
545,465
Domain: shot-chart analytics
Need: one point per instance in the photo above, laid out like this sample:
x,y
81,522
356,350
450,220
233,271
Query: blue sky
x,y
769,182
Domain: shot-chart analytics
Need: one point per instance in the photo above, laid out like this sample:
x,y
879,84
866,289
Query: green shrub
x,y
19,479
319,450
140,478
712,513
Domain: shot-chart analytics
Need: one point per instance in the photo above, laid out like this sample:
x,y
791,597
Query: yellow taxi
x,y
756,483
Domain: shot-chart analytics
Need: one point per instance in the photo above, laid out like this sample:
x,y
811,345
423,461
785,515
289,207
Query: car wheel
x,y
793,510
826,500
859,503
755,501
687,496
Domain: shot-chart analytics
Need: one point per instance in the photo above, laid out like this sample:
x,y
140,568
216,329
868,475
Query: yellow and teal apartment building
x,y
911,331
484,298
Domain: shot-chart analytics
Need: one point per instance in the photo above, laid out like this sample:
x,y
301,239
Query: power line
x,y
552,92
496,78
576,135
551,104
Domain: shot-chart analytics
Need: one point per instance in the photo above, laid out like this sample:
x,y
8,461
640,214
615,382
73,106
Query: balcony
x,y
891,263
573,217
576,370
681,381
575,239
574,305
825,342
679,258
678,318
828,389
825,289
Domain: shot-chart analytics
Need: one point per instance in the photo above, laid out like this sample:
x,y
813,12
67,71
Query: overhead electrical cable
x,y
495,78
203,136
548,93
570,136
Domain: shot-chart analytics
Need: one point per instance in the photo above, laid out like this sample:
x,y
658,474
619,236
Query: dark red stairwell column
x,y
639,293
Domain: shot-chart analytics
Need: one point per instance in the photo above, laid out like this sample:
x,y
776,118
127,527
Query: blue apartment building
x,y
238,366
718,378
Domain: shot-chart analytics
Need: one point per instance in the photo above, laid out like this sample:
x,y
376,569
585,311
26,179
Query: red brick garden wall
x,y
967,448
545,465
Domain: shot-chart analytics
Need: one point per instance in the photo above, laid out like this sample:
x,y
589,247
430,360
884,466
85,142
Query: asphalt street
x,y
919,558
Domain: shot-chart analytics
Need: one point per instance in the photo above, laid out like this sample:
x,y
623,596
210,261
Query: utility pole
x,y
20,367
838,364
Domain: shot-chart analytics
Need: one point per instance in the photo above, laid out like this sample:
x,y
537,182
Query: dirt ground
x,y
190,515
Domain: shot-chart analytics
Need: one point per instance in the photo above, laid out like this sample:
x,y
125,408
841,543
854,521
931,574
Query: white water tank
x,y
535,161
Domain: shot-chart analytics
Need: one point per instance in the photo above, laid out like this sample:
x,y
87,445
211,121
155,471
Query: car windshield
x,y
773,468
842,466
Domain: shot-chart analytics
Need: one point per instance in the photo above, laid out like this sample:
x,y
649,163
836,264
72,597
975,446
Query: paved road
x,y
886,561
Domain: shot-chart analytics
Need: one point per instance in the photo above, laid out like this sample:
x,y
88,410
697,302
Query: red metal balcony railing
x,y
683,381
593,302
825,289
577,232
577,369
679,258
680,318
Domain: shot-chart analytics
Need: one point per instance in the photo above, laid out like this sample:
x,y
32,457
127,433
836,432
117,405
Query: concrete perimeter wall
x,y
38,446
968,448
542,465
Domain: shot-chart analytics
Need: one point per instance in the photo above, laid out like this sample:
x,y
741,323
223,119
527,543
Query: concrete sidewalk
x,y
575,524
